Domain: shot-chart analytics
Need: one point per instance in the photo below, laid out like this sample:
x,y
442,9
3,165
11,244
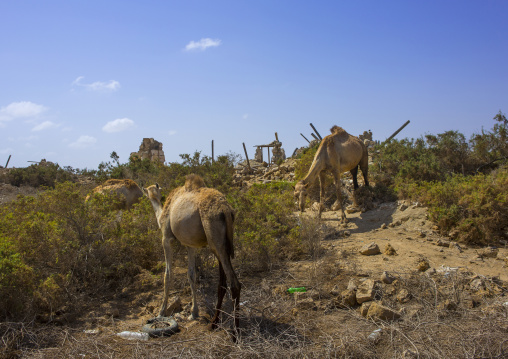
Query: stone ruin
x,y
150,149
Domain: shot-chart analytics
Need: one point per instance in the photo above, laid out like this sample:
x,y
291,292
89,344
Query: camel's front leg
x,y
322,189
168,254
338,188
191,275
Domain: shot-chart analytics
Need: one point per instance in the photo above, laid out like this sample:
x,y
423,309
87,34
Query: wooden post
x,y
212,153
396,132
8,161
246,156
268,148
304,137
317,133
276,137
313,135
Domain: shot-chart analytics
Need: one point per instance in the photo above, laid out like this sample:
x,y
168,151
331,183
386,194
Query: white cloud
x,y
202,44
109,86
172,132
23,109
83,142
118,125
44,126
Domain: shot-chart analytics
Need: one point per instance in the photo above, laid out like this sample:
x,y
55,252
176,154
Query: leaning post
x,y
212,153
8,161
246,156
304,137
396,132
313,135
317,133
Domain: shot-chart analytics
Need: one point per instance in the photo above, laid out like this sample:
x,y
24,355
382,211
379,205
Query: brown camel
x,y
337,153
126,189
197,217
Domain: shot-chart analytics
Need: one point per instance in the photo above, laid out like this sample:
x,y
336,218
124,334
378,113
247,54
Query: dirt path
x,y
412,236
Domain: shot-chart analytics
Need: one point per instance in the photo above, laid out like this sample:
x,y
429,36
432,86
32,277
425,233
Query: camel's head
x,y
153,192
301,190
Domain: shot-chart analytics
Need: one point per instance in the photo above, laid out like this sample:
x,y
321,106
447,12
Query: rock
x,y
387,278
347,233
403,296
447,305
442,243
477,284
422,265
377,311
403,207
348,298
389,250
366,291
370,249
383,226
455,246
364,309
489,252
306,304
174,307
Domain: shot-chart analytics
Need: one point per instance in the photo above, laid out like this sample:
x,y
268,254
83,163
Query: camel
x,y
197,217
338,153
127,190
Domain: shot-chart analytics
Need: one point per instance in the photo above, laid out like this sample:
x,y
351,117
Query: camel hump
x,y
193,182
337,129
128,183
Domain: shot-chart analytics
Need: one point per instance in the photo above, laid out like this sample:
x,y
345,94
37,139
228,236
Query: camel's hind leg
x,y
221,291
216,235
338,188
364,166
168,254
191,275
322,190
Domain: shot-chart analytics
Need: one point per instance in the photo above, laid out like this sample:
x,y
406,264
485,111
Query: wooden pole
x,y
396,132
276,137
317,133
304,137
8,161
212,152
246,156
313,135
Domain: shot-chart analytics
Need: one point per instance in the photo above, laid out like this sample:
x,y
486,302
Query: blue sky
x,y
80,79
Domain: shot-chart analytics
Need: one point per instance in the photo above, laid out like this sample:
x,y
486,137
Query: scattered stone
x,y
422,265
370,249
347,233
366,291
477,284
442,243
447,305
389,250
348,298
387,278
409,354
364,309
403,296
306,304
378,311
489,252
174,307
455,246
383,226
422,234
403,207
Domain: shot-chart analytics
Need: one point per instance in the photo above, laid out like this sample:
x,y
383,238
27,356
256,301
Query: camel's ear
x,y
144,190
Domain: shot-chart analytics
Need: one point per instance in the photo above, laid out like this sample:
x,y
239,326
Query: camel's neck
x,y
157,206
315,169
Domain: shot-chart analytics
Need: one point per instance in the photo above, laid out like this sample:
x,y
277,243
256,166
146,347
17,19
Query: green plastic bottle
x,y
298,289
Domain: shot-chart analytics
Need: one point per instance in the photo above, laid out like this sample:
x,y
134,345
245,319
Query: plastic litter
x,y
297,289
133,335
375,335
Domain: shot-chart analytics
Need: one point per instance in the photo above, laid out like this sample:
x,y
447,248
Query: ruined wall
x,y
150,149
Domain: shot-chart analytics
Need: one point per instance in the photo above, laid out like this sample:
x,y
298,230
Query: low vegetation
x,y
58,253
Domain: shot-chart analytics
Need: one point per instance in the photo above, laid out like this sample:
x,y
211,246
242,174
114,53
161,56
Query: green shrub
x,y
266,230
45,174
